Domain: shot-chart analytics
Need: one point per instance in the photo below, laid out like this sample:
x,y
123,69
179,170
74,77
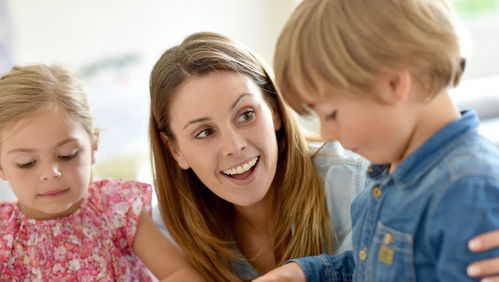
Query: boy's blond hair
x,y
347,44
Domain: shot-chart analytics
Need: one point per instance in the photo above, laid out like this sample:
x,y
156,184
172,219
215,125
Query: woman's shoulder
x,y
332,153
341,170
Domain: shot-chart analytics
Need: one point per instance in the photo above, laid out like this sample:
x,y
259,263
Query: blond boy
x,y
377,73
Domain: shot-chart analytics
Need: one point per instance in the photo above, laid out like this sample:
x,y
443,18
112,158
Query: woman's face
x,y
225,132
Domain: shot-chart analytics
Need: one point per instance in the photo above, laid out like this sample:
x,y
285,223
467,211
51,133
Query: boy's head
x,y
348,44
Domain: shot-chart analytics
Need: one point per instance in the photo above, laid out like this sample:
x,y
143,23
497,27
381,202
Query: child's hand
x,y
489,267
290,272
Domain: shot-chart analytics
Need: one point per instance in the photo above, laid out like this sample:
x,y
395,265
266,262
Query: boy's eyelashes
x,y
60,157
331,116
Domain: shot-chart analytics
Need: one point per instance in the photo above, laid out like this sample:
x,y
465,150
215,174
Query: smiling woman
x,y
239,188
233,128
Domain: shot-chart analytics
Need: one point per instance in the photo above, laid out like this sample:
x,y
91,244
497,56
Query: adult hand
x,y
290,272
488,268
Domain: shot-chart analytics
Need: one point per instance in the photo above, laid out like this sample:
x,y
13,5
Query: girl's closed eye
x,y
67,157
26,164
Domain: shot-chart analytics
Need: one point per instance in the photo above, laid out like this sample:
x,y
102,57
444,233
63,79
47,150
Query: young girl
x,y
65,227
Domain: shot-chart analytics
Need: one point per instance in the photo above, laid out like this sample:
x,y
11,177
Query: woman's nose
x,y
233,143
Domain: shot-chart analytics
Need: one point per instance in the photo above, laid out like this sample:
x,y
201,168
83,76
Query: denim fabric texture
x,y
414,224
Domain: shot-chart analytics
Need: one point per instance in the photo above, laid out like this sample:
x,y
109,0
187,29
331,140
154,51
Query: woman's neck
x,y
253,229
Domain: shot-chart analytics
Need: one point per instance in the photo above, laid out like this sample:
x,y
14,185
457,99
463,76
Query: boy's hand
x,y
290,272
487,267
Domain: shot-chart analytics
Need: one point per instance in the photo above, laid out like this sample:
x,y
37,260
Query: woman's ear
x,y
177,155
276,117
95,143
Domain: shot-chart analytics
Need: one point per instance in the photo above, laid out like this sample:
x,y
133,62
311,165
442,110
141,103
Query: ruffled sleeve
x,y
122,202
8,215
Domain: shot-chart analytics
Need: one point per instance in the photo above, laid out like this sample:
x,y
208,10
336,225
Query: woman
x,y
240,189
235,178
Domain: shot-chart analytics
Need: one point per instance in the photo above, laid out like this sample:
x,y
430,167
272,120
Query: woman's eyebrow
x,y
203,119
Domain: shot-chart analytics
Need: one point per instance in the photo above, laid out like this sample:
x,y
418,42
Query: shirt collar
x,y
430,152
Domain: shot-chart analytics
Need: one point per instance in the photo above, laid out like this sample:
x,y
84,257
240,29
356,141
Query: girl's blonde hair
x,y
348,43
30,90
200,221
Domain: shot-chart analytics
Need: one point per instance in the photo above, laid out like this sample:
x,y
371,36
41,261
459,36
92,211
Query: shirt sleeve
x,y
124,202
327,268
468,207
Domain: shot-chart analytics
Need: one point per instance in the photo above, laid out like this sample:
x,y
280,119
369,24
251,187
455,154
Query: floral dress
x,y
93,244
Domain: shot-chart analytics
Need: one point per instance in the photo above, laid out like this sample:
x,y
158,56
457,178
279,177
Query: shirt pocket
x,y
393,256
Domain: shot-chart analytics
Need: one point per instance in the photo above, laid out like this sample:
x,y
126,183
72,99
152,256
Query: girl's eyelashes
x,y
27,165
68,157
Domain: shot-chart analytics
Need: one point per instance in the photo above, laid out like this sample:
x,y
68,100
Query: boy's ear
x,y
396,86
177,155
95,143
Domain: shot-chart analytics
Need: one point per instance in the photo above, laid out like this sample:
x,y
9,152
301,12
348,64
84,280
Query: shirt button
x,y
388,238
363,254
377,192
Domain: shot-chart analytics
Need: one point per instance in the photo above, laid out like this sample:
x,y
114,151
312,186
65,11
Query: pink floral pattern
x,y
93,244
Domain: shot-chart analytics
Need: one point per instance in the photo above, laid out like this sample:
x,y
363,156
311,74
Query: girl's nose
x,y
50,172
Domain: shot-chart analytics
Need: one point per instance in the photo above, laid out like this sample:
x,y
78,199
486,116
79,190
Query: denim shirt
x,y
343,174
414,224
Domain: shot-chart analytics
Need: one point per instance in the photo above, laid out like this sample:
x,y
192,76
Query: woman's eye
x,y
204,133
331,116
26,165
68,157
246,116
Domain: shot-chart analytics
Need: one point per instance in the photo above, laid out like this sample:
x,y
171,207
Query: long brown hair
x,y
198,219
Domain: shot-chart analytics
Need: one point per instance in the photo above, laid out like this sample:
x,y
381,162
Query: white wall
x,y
114,43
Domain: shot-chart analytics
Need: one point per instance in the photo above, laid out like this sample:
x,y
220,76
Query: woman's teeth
x,y
241,169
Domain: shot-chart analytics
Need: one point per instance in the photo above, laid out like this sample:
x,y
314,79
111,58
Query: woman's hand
x,y
488,268
290,272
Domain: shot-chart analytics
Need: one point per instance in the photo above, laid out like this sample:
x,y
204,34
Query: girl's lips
x,y
54,193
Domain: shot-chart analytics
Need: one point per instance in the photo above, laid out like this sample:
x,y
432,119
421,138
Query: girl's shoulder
x,y
117,194
9,213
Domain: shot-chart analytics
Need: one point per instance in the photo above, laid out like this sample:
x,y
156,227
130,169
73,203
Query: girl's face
x,y
47,160
225,132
